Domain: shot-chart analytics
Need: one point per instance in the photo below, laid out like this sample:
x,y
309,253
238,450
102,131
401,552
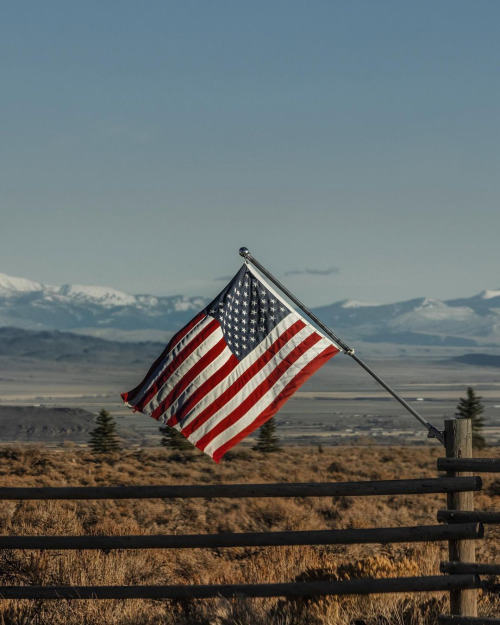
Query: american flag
x,y
232,367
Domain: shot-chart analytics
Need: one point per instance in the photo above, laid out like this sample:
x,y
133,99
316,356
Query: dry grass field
x,y
23,466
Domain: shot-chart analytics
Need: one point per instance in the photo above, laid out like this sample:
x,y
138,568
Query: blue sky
x,y
352,146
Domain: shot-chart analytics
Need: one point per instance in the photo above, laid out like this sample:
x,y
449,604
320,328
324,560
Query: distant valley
x,y
52,384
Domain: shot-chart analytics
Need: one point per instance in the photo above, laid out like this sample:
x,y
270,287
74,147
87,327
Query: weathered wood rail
x,y
240,491
463,516
482,465
297,589
462,527
469,567
381,535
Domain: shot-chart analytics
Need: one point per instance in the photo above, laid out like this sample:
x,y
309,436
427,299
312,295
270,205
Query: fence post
x,y
458,438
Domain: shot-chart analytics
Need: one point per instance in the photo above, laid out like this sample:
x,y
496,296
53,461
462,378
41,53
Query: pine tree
x,y
173,439
103,438
472,408
267,440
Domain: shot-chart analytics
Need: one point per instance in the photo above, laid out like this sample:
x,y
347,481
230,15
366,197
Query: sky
x,y
353,146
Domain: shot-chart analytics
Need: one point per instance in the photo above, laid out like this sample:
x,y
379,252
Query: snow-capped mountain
x,y
89,309
108,313
461,322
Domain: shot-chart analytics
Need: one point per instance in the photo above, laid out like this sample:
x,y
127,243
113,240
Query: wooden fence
x,y
461,526
460,509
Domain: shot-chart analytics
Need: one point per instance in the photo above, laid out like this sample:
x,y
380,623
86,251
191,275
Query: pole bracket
x,y
435,433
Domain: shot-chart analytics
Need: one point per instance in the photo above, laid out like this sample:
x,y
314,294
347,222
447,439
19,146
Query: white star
x,y
282,308
273,301
254,321
253,339
252,330
272,317
253,311
262,329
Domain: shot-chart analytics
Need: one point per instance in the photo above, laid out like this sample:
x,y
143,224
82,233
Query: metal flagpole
x,y
433,431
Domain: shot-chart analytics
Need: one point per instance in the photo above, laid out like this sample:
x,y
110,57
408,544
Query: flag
x,y
232,367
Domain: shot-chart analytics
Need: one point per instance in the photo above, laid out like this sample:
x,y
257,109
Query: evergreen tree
x,y
267,440
173,439
103,438
472,408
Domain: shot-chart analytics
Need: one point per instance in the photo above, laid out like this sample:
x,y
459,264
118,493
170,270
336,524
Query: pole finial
x,y
244,252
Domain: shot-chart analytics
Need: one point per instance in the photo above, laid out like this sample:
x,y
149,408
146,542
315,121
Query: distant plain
x,y
340,403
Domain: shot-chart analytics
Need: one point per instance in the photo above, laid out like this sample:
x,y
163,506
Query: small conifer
x,y
472,408
103,438
173,439
267,440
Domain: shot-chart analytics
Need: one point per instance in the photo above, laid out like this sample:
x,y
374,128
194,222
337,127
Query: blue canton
x,y
247,312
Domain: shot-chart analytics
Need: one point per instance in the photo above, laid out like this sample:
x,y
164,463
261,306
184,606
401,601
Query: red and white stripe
x,y
199,386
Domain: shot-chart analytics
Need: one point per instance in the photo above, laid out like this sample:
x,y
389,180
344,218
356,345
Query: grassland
x,y
25,466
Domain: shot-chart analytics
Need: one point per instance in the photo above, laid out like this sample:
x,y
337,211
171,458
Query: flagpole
x,y
433,432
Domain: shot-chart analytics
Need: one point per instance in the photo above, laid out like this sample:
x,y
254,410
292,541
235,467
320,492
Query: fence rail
x,y
297,589
239,491
253,539
464,516
470,567
481,465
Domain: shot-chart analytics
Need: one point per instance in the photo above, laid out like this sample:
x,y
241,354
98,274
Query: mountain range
x,y
107,313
